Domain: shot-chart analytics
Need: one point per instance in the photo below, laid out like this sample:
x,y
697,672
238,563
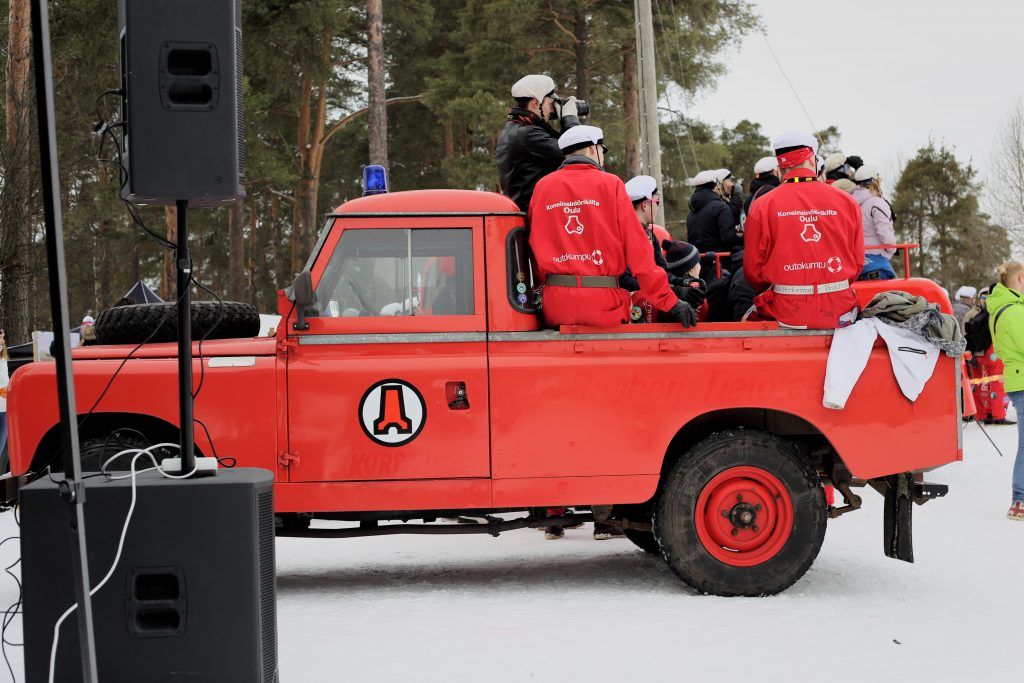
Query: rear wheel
x,y
741,514
98,449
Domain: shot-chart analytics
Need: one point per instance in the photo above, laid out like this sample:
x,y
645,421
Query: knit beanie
x,y
680,256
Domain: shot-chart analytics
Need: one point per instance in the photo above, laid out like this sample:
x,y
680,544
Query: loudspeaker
x,y
192,597
181,79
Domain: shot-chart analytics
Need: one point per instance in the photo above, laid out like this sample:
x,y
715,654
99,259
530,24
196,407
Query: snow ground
x,y
519,608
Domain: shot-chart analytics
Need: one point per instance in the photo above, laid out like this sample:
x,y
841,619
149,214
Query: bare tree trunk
x,y
15,207
582,30
168,274
631,112
236,251
378,122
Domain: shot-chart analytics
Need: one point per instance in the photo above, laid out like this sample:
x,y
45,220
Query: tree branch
x,y
362,112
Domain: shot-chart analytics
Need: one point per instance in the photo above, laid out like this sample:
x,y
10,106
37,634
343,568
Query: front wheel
x,y
741,514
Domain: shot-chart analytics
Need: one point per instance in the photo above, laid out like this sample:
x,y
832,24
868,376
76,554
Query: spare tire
x,y
159,322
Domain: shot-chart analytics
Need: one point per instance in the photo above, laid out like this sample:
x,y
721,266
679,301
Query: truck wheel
x,y
644,540
136,323
96,450
741,514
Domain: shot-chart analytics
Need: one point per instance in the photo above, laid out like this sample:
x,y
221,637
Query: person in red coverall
x,y
804,244
584,234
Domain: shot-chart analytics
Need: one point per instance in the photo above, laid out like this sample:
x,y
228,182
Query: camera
x,y
582,107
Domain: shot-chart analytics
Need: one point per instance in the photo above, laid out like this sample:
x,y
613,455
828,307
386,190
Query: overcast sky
x,y
888,74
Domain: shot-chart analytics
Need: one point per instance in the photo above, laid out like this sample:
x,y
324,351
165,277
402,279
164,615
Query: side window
x,y
522,280
398,272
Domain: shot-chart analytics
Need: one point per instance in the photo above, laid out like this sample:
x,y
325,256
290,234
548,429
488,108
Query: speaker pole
x,y
184,260
71,489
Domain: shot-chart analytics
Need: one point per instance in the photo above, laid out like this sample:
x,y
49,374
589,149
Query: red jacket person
x,y
804,244
584,234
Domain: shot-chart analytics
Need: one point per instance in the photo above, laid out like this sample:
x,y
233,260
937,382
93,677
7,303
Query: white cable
x,y
139,452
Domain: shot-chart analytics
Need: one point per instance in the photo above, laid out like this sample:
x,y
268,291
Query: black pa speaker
x,y
192,597
181,78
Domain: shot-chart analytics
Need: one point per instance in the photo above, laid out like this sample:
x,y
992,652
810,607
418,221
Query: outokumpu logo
x,y
392,412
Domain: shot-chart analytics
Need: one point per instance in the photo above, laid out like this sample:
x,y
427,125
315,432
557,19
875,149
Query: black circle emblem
x,y
392,412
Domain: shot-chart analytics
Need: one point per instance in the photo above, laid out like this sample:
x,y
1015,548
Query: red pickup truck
x,y
412,381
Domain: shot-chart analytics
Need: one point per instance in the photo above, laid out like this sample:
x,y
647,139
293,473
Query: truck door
x,y
390,380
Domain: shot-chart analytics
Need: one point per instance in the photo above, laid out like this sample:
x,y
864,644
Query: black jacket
x,y
630,283
760,187
710,225
527,151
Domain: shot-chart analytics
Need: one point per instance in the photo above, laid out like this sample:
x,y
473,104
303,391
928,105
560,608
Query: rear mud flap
x,y
899,515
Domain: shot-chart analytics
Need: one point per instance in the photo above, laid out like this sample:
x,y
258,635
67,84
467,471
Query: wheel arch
x,y
813,444
154,429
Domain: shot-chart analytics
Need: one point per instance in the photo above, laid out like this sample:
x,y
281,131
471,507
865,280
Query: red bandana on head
x,y
795,157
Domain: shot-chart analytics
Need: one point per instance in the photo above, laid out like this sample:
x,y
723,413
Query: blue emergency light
x,y
375,180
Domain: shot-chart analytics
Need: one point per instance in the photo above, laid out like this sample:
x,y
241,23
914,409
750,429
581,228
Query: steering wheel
x,y
367,310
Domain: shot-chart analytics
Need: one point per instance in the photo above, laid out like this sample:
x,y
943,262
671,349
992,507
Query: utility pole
x,y
649,132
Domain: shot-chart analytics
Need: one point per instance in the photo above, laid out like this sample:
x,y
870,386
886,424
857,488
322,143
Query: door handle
x,y
455,394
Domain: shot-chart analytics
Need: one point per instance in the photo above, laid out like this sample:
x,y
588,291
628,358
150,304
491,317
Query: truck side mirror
x,y
302,295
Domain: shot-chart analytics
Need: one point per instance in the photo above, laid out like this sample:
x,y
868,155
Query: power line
x,y
790,83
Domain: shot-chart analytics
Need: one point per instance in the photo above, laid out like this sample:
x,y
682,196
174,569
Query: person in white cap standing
x,y
766,179
804,244
527,148
709,225
584,234
877,216
964,302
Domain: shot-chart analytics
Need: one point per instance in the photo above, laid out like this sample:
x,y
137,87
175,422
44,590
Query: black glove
x,y
692,290
684,313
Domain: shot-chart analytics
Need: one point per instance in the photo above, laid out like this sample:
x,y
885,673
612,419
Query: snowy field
x,y
519,608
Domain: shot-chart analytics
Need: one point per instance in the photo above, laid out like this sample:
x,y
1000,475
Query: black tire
x,y
159,322
644,540
96,450
787,548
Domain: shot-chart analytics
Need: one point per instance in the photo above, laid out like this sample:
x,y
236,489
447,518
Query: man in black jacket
x,y
766,178
527,148
710,225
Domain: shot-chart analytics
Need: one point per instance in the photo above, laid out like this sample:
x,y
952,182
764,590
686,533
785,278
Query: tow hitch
x,y
900,491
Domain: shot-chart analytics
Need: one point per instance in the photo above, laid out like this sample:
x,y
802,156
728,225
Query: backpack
x,y
977,333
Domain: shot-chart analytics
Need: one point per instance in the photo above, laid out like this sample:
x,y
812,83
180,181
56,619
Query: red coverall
x,y
804,233
987,385
582,223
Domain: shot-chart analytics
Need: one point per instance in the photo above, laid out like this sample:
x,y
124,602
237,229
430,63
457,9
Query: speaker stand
x,y
71,489
184,262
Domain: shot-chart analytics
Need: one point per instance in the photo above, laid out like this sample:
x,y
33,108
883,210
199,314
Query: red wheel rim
x,y
744,516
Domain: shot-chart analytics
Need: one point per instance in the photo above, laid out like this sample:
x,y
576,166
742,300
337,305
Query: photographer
x,y
527,148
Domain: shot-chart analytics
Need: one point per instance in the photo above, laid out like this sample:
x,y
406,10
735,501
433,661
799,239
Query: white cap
x,y
766,165
795,139
966,291
834,161
537,86
723,173
865,173
579,137
88,320
704,177
641,187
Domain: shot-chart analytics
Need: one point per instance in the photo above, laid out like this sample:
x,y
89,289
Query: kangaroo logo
x,y
392,412
573,225
810,234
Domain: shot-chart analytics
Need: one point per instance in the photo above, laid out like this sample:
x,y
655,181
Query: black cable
x,y
15,609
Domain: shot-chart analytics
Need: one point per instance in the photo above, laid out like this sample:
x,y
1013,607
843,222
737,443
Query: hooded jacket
x,y
710,225
877,218
527,151
1008,334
